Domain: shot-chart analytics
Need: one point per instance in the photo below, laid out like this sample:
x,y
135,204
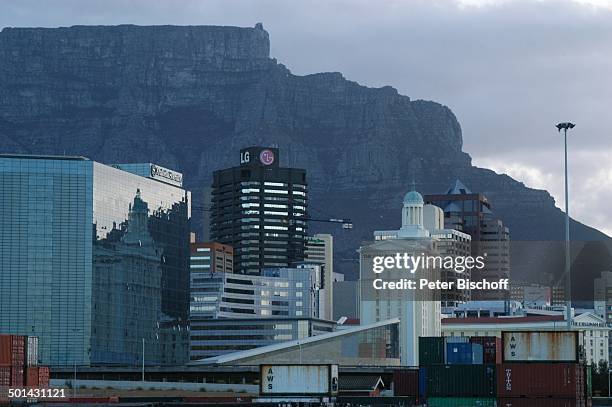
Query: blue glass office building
x,y
93,258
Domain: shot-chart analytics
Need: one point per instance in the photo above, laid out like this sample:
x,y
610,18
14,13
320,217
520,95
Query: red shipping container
x,y
18,349
406,382
5,376
6,350
17,376
542,402
31,377
491,347
43,376
563,380
12,350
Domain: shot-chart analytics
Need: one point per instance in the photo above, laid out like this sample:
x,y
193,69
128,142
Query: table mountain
x,y
189,97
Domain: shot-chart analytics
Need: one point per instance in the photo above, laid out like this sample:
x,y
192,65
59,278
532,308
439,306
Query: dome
x,y
413,197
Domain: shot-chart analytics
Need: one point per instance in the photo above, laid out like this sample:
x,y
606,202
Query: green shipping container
x,y
461,402
459,381
431,350
589,381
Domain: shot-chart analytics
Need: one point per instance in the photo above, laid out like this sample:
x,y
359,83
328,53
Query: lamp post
x,y
75,330
566,126
143,359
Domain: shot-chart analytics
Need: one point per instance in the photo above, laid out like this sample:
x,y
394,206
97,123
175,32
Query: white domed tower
x,y
412,215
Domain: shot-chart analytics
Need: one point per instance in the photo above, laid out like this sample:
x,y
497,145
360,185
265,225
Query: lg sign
x,y
245,157
266,157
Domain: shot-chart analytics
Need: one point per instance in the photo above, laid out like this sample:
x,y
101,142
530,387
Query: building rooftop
x,y
413,197
263,350
458,188
501,320
45,157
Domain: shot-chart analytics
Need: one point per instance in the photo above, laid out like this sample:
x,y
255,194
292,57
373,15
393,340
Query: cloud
x,y
590,180
509,69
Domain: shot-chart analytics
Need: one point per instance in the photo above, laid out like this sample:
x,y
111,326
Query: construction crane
x,y
346,223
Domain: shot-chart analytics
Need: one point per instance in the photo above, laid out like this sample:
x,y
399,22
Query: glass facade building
x,y
471,213
216,337
93,258
279,292
230,312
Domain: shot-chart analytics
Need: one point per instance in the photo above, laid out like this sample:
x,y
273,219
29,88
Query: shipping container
x,y
31,377
477,354
564,380
406,382
491,348
464,354
422,382
32,351
461,402
18,350
6,350
298,379
459,353
5,376
458,381
431,350
588,381
456,339
17,376
12,350
43,376
349,401
539,402
532,346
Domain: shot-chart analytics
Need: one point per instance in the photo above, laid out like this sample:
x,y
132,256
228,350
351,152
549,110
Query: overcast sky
x,y
509,70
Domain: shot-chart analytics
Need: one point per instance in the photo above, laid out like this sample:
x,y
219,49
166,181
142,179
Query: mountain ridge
x,y
189,97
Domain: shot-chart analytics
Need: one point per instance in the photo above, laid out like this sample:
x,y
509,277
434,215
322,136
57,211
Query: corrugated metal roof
x,y
501,320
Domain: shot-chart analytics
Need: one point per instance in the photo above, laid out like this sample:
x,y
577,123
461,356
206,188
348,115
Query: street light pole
x,y
143,353
565,126
75,330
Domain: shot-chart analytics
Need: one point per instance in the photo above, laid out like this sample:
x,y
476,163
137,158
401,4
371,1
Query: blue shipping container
x,y
477,354
464,354
456,339
459,353
422,381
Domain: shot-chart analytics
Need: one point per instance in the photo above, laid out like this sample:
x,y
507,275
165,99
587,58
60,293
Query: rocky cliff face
x,y
190,97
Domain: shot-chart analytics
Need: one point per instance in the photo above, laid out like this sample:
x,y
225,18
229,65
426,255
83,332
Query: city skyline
x,y
346,202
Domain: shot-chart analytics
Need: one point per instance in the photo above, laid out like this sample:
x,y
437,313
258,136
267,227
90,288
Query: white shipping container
x,y
32,351
543,346
299,379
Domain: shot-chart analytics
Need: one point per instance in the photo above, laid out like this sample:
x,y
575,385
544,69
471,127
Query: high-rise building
x,y
255,302
320,250
276,292
346,299
603,300
260,209
212,256
445,242
93,257
418,310
471,213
